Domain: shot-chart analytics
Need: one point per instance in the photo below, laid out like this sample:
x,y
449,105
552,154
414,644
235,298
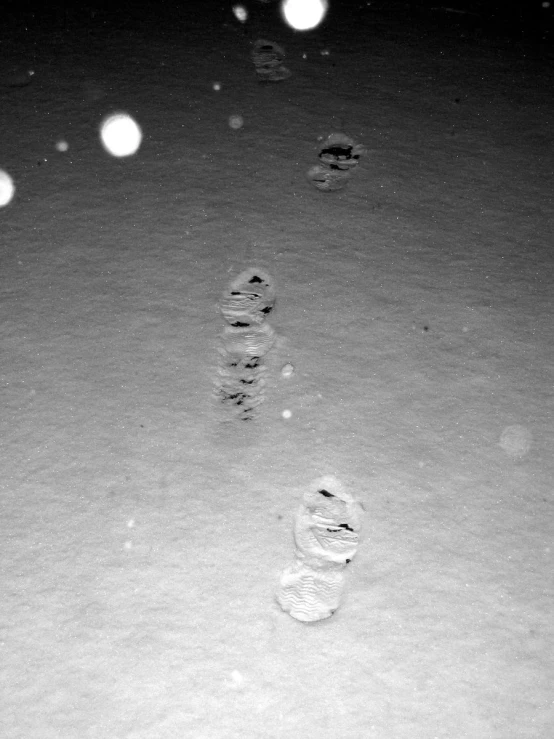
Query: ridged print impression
x,y
326,533
246,339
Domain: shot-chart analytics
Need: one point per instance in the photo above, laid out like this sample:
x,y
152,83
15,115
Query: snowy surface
x,y
141,535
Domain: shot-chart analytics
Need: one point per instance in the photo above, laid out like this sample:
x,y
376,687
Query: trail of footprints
x,y
327,524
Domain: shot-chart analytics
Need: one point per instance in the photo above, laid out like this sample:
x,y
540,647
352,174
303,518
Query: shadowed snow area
x,y
143,530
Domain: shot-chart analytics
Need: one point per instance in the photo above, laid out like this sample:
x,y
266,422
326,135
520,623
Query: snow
x,y
142,535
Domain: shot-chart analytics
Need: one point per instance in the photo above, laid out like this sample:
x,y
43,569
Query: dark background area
x,y
529,22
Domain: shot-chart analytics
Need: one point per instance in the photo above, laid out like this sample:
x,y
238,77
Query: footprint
x,y
245,305
326,533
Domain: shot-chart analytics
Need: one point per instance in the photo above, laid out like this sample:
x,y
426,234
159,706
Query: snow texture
x,y
141,540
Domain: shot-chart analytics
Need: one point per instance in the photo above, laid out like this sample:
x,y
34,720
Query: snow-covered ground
x,y
142,535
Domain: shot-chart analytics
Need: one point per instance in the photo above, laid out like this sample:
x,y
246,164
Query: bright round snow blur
x,y
120,135
7,188
236,122
302,15
240,13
